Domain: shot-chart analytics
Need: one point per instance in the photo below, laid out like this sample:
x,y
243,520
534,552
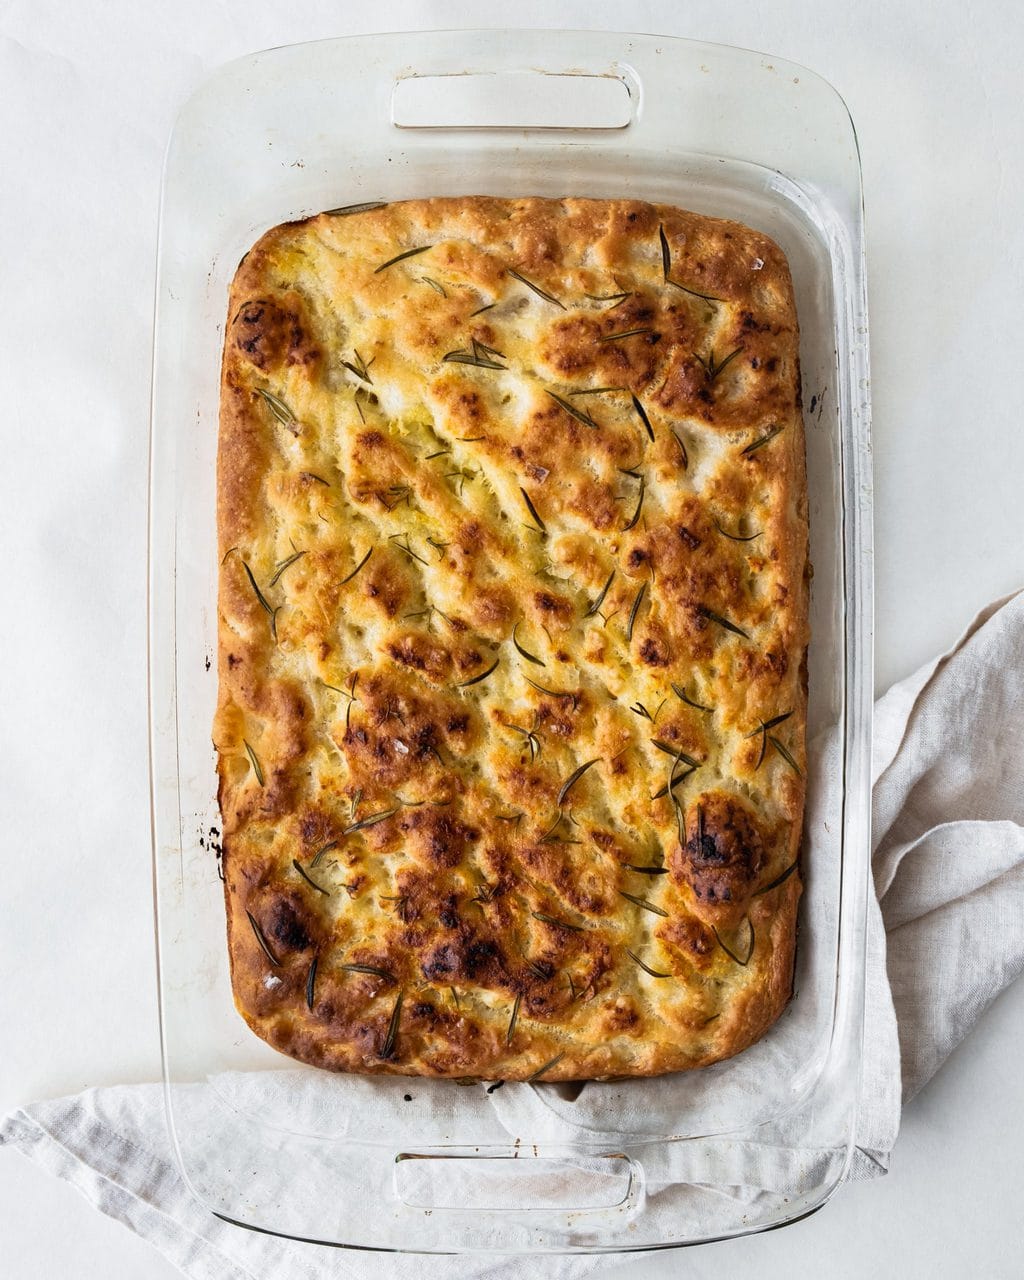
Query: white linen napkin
x,y
946,934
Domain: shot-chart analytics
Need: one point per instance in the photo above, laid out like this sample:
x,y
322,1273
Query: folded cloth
x,y
945,934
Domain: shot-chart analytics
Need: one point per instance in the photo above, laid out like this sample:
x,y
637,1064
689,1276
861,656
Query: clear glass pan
x,y
747,1144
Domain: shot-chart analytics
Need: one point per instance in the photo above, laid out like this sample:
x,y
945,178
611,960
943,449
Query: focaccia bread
x,y
512,632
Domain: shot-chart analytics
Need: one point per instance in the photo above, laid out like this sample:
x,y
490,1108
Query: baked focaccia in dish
x,y
512,635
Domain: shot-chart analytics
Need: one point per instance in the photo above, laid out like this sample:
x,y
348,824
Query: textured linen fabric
x,y
945,936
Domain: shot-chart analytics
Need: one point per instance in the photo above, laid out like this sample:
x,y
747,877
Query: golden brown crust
x,y
586,540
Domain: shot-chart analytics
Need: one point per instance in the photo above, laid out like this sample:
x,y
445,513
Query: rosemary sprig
x,y
311,982
400,257
712,368
674,751
552,693
681,693
638,709
254,761
277,407
759,444
536,1075
655,973
261,938
371,969
643,902
574,777
532,740
326,848
722,622
348,209
732,954
482,676
781,878
544,918
435,285
370,821
536,288
388,1048
642,415
736,537
634,611
530,657
579,414
608,297
626,333
479,355
786,754
284,565
264,602
438,546
762,729
399,493
666,267
404,546
513,1020
308,878
533,511
359,367
639,507
596,606
348,579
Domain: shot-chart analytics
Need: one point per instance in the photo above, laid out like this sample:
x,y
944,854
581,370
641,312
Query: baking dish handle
x,y
529,99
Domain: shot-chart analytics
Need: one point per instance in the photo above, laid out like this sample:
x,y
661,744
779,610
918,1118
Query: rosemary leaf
x,y
482,676
574,777
371,969
326,848
666,253
370,821
480,310
388,1048
254,761
643,902
768,724
681,693
722,622
264,603
538,662
532,740
779,879
634,611
553,920
348,209
596,391
579,414
553,693
682,448
642,415
478,359
786,754
311,983
732,954
436,286
357,568
399,257
284,565
674,751
639,507
536,288
513,1020
308,878
261,938
759,444
596,606
626,333
646,967
646,870
736,537
533,511
536,1075
359,367
277,407
608,297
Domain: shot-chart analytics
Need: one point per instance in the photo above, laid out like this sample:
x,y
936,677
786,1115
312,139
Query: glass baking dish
x,y
397,1164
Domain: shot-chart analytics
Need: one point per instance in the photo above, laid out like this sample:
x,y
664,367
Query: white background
x,y
88,93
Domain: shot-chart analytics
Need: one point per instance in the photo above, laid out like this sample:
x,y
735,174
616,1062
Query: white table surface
x,y
89,94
